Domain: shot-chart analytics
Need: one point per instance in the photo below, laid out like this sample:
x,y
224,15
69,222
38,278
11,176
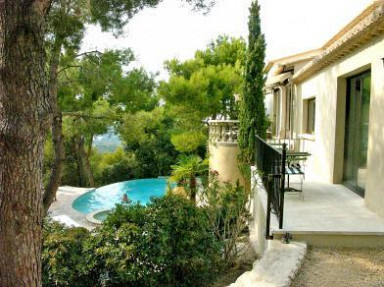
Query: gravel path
x,y
339,267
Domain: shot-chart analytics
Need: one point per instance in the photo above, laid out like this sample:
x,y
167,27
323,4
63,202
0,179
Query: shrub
x,y
228,208
167,243
62,255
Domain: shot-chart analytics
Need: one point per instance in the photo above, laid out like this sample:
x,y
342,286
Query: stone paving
x,y
63,205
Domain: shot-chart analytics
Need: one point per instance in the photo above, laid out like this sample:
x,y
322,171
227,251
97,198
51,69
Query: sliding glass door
x,y
356,132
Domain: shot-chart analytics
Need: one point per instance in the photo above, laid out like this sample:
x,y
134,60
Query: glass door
x,y
356,132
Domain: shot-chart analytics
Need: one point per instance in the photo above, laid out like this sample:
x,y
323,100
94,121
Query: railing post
x,y
268,219
282,185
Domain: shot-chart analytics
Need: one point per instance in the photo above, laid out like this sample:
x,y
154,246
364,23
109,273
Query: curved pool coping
x,y
66,195
90,216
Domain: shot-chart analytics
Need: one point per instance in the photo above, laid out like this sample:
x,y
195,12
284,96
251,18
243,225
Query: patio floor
x,y
326,207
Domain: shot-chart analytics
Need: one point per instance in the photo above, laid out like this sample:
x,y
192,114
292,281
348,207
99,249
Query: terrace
x,y
327,214
322,214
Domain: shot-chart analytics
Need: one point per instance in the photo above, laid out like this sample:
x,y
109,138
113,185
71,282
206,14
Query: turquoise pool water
x,y
106,197
102,215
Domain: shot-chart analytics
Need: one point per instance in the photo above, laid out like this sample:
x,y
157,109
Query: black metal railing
x,y
270,164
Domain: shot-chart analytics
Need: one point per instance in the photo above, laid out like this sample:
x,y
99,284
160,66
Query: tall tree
x,y
24,121
95,97
252,112
67,21
27,103
84,97
203,87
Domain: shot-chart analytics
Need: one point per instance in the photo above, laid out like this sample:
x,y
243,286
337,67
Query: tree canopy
x,y
201,88
41,40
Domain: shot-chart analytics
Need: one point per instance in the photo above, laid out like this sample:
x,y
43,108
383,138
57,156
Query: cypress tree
x,y
252,112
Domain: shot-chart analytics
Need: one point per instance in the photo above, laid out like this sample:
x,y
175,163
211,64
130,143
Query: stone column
x,y
224,150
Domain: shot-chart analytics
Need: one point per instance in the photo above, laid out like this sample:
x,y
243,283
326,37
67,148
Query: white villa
x,y
332,99
329,103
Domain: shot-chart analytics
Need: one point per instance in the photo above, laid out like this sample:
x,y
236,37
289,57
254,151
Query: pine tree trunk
x,y
84,165
24,120
56,130
57,167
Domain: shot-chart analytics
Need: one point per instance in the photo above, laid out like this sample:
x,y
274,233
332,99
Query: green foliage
x,y
188,142
224,50
113,167
147,135
135,91
206,85
187,170
189,166
115,14
62,255
167,243
95,98
208,91
202,87
86,82
252,112
86,95
140,127
229,210
147,162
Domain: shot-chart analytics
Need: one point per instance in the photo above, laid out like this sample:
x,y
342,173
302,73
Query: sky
x,y
173,30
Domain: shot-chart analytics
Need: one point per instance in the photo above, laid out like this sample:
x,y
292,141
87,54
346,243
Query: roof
x,y
307,55
368,25
271,81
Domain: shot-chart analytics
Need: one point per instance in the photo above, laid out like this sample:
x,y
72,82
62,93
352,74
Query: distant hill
x,y
107,142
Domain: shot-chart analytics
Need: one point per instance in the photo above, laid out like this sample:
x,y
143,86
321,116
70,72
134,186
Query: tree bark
x,y
24,121
56,129
57,167
84,166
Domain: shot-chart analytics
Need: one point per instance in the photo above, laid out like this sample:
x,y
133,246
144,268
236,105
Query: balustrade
x,y
223,131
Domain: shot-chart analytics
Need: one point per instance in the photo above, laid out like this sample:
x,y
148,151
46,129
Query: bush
x,y
229,211
167,243
62,255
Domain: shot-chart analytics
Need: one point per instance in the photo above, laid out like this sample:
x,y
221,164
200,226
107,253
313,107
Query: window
x,y
310,105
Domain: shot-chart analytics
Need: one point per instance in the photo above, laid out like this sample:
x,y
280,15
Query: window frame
x,y
310,115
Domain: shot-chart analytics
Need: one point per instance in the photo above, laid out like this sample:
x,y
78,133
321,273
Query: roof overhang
x,y
292,59
363,29
276,80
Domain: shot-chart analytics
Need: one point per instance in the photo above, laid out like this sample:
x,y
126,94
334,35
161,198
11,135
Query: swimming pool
x,y
106,197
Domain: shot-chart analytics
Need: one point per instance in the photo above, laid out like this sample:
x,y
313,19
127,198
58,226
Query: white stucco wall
x,y
223,158
327,144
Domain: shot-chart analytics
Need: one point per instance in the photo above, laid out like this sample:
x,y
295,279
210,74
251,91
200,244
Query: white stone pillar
x,y
224,150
